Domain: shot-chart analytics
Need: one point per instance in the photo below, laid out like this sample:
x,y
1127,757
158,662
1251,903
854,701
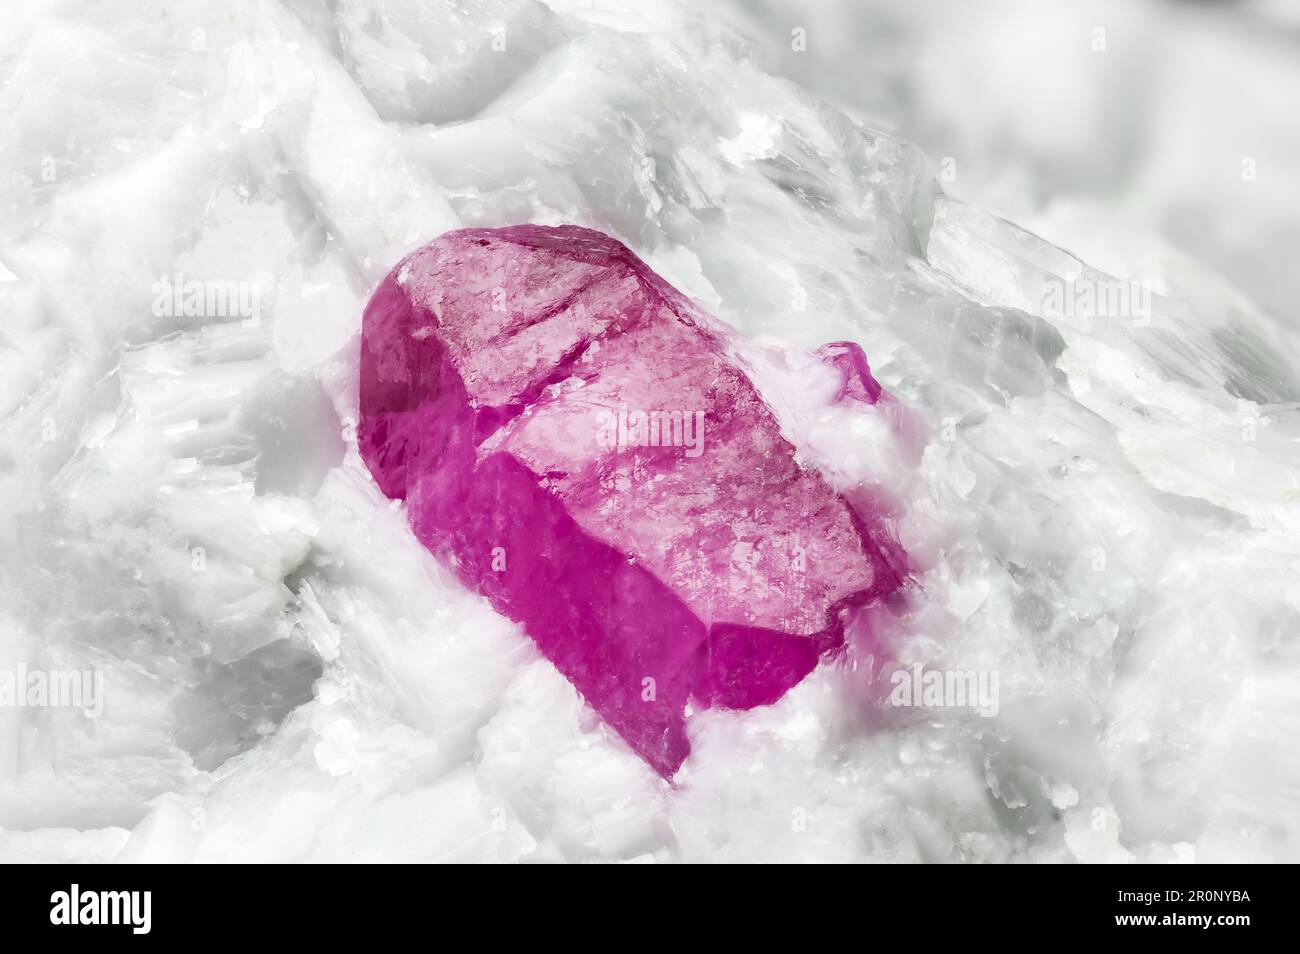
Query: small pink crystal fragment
x,y
574,437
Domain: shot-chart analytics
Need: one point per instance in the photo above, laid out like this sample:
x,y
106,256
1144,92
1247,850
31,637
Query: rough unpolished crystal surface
x,y
581,443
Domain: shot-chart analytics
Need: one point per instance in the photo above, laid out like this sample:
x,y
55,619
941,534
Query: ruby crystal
x,y
577,440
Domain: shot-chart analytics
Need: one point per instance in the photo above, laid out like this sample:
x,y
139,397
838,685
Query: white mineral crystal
x,y
195,207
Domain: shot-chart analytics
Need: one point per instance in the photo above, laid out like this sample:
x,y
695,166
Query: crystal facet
x,y
580,442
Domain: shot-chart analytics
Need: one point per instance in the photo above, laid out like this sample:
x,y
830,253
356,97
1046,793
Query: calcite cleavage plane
x,y
577,440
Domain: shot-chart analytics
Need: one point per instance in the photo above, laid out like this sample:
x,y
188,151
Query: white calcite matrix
x,y
197,199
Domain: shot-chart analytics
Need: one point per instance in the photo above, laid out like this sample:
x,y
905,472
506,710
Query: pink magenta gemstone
x,y
573,436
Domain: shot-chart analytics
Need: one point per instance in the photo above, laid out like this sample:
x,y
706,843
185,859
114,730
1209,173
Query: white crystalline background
x,y
1106,513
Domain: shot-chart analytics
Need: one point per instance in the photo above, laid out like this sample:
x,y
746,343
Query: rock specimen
x,y
579,442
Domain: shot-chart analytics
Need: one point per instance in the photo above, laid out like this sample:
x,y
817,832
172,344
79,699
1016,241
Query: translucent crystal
x,y
581,443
